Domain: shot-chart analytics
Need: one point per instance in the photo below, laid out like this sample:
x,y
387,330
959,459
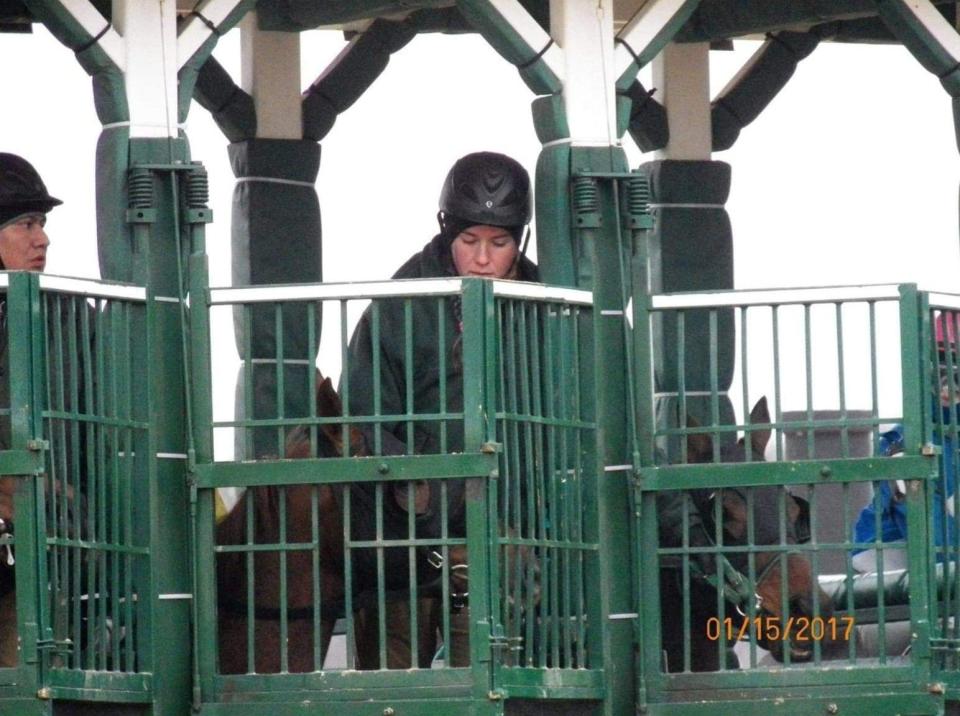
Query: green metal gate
x,y
939,375
77,428
516,440
804,350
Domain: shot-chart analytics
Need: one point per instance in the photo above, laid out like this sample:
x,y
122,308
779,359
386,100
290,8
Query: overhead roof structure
x,y
713,20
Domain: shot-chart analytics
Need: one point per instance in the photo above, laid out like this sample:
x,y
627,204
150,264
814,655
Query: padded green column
x,y
276,238
692,250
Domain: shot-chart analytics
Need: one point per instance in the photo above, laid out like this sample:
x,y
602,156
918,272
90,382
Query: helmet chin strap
x,y
525,242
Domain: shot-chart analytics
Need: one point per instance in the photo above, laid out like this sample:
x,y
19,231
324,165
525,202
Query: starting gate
x,y
514,478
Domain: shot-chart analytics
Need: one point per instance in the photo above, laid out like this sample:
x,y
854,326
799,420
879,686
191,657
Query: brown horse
x,y
312,518
739,508
260,507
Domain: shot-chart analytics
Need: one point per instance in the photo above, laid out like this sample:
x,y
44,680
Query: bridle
x,y
735,585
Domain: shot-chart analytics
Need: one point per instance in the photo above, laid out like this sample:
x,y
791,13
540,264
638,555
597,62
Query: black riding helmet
x,y
485,188
22,191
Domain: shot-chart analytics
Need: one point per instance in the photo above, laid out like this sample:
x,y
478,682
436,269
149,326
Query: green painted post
x,y
25,375
914,341
477,323
601,260
647,598
168,635
202,509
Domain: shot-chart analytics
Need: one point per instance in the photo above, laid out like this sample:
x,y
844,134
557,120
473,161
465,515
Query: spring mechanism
x,y
198,187
586,195
638,196
140,189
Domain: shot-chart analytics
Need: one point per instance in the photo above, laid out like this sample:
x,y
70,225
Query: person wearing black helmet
x,y
485,207
24,203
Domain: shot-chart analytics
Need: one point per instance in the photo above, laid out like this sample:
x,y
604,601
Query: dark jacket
x,y
397,437
434,261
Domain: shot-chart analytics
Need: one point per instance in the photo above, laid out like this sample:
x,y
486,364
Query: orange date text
x,y
770,628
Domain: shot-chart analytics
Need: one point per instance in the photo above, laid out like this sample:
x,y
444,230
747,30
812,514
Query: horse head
x,y
775,517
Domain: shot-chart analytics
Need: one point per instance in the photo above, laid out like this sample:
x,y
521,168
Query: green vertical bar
x,y
841,385
745,385
777,401
377,378
248,433
204,604
282,556
603,370
808,367
25,425
113,336
348,578
318,604
914,337
170,585
280,369
478,316
409,405
345,374
251,594
443,309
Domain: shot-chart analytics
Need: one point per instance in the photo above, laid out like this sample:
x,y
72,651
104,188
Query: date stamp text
x,y
771,628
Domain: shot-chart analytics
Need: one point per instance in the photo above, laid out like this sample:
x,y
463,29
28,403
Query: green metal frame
x,y
54,663
857,686
491,678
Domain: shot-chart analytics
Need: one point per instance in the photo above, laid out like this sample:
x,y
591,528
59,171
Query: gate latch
x,y
52,646
38,445
499,641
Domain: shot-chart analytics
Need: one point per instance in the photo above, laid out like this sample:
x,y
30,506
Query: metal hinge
x,y
500,642
53,647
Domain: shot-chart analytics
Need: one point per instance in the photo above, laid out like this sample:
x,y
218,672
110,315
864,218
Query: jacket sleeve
x,y
359,389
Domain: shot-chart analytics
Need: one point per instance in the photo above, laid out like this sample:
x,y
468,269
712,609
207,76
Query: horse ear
x,y
328,402
699,445
760,415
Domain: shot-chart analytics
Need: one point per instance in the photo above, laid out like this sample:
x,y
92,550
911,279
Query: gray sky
x,y
850,176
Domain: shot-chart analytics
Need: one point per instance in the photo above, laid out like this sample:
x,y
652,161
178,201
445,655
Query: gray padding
x,y
691,249
275,233
648,119
767,72
343,83
550,118
688,182
232,109
297,15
